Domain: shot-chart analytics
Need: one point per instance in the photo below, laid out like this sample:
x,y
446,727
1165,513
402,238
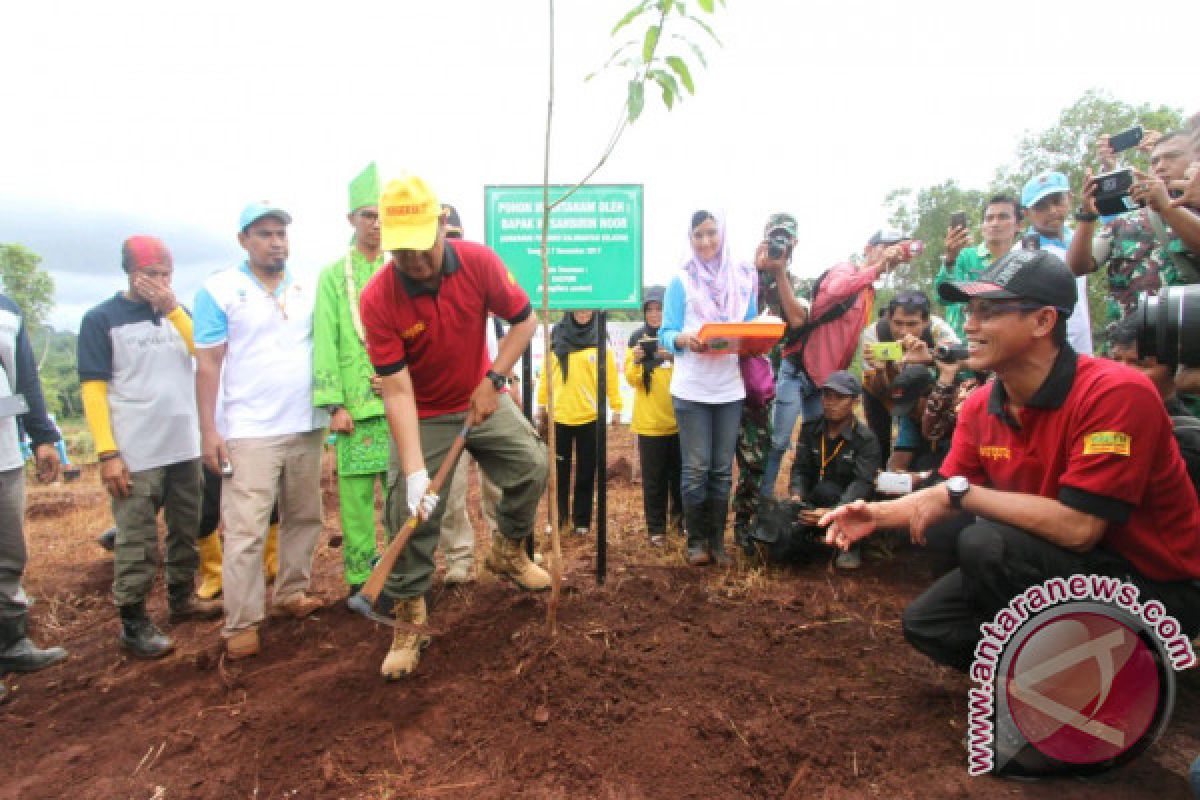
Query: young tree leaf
x,y
629,17
707,5
650,42
681,69
636,100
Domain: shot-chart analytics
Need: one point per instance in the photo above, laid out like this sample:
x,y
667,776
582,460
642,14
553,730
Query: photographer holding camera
x,y
1001,216
912,334
1063,464
775,294
1144,249
841,303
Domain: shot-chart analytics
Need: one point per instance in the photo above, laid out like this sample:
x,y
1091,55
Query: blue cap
x,y
1042,184
256,211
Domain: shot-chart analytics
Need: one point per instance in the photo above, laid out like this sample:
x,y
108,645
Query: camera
x,y
1112,192
910,249
1168,325
779,243
950,353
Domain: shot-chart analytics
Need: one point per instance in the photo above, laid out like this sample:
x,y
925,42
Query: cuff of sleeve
x,y
521,316
1097,505
390,369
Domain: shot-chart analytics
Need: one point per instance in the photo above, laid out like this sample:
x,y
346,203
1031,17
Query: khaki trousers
x,y
287,469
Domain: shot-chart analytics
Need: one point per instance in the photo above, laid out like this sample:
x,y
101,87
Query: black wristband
x,y
1085,216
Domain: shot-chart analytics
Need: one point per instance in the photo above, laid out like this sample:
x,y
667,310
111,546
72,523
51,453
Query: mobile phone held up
x,y
958,220
1126,139
1112,192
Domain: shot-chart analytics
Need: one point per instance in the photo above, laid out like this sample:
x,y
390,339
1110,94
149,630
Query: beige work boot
x,y
405,653
298,606
507,559
242,644
210,566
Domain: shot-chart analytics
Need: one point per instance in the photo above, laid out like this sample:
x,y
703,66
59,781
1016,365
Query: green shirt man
x,y
344,382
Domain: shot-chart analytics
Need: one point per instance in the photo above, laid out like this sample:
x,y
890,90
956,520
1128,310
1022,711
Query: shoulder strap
x,y
799,336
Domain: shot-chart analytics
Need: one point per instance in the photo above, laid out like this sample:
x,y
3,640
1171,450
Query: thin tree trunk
x,y
552,483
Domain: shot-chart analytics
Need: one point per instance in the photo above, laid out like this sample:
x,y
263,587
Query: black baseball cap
x,y
908,387
1035,275
844,383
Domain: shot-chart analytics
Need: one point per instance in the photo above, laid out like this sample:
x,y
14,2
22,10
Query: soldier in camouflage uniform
x,y
1146,249
754,436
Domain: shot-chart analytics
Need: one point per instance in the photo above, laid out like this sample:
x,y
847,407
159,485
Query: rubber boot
x,y
507,559
210,566
271,553
19,654
185,605
405,653
140,636
695,520
718,514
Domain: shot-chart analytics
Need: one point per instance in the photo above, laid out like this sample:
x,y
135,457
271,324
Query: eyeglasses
x,y
985,310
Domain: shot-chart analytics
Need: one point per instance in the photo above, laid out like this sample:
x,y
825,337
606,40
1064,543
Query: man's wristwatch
x,y
498,380
1085,216
957,488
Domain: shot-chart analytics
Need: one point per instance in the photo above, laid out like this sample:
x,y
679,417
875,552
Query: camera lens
x,y
1168,325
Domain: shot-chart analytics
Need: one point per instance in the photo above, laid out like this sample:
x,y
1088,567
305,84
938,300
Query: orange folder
x,y
743,338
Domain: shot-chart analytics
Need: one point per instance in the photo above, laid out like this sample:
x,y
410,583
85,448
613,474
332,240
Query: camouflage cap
x,y
785,221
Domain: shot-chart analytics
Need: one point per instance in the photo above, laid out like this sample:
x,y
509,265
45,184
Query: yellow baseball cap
x,y
409,213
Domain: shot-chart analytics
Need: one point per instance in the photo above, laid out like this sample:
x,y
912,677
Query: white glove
x,y
420,503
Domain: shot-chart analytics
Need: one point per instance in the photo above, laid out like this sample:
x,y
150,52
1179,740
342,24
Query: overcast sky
x,y
166,118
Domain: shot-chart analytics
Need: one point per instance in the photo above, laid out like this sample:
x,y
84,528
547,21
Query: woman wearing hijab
x,y
706,387
648,369
572,367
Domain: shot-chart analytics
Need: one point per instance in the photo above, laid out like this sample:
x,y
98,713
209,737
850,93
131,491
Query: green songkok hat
x,y
364,189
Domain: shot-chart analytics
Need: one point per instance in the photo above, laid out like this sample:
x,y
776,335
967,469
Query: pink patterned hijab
x,y
717,290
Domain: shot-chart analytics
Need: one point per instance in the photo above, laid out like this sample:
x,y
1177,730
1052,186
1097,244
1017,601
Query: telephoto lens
x,y
950,353
1168,325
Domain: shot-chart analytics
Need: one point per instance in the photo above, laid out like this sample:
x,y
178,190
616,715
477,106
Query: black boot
x,y
718,513
695,519
184,605
18,654
140,636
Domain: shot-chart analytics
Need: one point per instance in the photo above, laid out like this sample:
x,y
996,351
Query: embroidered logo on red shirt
x,y
994,453
414,331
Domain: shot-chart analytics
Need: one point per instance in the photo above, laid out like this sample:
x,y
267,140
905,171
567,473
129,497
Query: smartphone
x,y
1126,139
1112,192
958,220
887,351
226,469
894,483
1031,241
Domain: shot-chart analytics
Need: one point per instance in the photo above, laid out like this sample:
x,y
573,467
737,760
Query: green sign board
x,y
595,243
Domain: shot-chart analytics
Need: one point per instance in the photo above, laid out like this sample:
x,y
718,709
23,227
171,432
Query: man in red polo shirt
x,y
425,316
1062,464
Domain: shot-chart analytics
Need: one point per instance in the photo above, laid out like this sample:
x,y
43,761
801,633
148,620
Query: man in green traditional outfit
x,y
345,383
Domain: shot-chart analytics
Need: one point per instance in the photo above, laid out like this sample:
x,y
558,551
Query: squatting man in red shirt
x,y
425,316
1062,464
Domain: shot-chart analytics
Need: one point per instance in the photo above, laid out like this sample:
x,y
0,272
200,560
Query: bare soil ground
x,y
665,682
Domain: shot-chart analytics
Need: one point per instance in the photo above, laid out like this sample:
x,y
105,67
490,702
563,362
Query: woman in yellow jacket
x,y
648,370
572,367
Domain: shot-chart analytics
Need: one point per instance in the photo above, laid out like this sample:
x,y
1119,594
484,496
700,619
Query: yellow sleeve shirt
x,y
575,401
653,412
